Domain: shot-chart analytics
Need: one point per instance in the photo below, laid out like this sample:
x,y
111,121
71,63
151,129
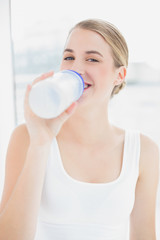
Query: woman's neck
x,y
87,128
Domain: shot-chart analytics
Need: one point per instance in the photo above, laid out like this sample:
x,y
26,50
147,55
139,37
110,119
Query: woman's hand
x,y
42,131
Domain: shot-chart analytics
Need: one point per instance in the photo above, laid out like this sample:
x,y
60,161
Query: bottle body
x,y
49,98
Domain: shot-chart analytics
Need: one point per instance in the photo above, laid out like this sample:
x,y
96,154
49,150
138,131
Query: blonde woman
x,y
78,176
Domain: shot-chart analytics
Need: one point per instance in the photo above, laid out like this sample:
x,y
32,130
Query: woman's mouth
x,y
86,86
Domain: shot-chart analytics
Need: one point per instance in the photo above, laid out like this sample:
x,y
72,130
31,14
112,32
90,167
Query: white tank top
x,y
75,210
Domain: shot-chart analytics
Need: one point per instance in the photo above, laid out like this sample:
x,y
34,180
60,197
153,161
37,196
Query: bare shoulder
x,y
20,132
19,142
15,159
142,220
149,157
17,148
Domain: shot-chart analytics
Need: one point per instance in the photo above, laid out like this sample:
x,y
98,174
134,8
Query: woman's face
x,y
88,53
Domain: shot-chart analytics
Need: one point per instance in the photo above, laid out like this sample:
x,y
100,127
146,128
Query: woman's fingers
x,y
26,103
43,76
38,79
49,127
27,93
57,123
67,113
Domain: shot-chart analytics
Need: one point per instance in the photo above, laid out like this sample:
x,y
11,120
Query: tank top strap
x,y
131,157
54,156
132,151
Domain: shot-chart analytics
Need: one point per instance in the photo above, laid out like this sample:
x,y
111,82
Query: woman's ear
x,y
120,75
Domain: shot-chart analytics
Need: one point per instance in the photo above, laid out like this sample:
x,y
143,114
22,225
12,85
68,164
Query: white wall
x,y
7,103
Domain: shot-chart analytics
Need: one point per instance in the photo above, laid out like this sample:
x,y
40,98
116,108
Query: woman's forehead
x,y
87,39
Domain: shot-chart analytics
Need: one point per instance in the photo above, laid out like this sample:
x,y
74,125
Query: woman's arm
x,y
25,170
142,221
26,160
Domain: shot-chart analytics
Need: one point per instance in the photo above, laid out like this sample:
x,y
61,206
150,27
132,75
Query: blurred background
x,y
38,31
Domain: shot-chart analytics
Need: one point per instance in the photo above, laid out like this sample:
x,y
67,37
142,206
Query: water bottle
x,y
50,97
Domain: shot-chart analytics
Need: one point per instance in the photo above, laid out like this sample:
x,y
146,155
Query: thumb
x,y
71,108
68,112
58,122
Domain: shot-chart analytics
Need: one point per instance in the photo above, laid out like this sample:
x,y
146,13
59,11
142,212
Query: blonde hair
x,y
114,38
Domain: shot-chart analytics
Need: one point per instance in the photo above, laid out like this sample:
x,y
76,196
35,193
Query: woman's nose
x,y
78,67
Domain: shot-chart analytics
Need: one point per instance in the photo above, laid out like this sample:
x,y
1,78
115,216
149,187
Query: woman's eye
x,y
69,58
92,60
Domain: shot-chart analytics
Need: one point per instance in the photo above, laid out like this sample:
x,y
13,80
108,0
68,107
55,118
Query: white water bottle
x,y
50,97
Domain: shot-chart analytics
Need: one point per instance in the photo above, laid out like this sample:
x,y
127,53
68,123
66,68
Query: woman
x,y
77,176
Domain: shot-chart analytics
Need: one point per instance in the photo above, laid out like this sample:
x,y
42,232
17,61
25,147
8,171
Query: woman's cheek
x,y
64,65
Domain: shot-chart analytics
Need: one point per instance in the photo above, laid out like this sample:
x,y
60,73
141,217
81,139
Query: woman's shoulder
x,y
20,132
15,158
148,146
149,153
149,149
19,138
